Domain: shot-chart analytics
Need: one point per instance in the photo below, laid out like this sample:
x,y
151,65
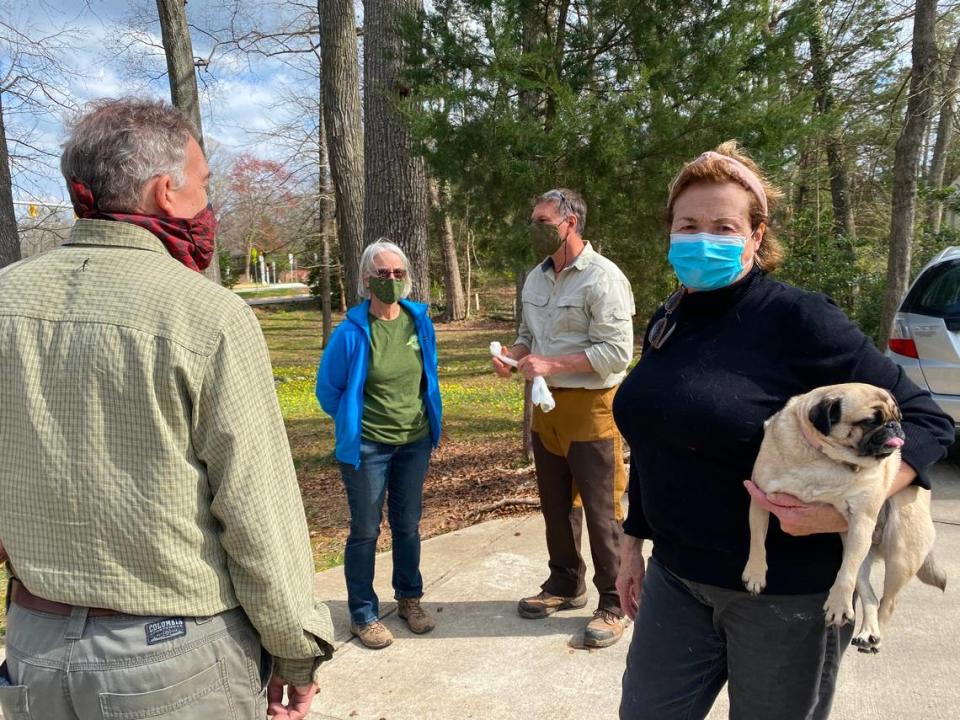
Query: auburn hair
x,y
716,171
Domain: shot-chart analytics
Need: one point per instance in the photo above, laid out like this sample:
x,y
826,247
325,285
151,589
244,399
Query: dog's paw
x,y
755,578
838,608
867,642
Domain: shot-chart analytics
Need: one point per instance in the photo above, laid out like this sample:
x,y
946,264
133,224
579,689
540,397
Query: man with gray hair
x,y
576,331
156,538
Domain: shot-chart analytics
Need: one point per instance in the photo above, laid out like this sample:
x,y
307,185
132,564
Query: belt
x,y
580,389
19,595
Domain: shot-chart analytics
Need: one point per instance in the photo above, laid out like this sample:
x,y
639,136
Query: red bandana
x,y
189,240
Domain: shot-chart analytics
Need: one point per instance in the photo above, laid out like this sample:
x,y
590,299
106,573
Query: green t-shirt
x,y
393,409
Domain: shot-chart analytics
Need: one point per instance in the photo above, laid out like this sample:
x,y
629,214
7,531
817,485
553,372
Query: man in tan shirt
x,y
576,331
149,506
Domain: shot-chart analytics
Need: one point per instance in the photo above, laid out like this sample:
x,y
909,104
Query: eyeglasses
x,y
387,273
660,331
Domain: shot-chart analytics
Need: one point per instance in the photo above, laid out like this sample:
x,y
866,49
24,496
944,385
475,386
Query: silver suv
x,y
926,331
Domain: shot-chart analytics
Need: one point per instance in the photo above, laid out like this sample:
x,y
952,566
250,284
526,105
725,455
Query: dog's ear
x,y
896,407
825,414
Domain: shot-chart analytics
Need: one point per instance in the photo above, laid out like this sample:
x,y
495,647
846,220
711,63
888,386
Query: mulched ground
x,y
467,483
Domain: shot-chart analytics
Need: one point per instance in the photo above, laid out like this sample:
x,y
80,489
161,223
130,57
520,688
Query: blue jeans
x,y
394,472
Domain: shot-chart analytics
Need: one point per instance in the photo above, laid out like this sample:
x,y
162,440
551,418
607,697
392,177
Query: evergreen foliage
x,y
612,96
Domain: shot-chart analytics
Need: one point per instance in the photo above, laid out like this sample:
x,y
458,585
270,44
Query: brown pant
x,y
578,453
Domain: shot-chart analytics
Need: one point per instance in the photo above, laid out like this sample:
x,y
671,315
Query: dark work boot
x,y
603,630
544,604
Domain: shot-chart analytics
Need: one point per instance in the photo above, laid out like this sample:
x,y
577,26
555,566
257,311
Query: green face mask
x,y
545,238
386,290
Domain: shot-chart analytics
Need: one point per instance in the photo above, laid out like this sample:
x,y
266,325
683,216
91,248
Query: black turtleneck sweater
x,y
693,412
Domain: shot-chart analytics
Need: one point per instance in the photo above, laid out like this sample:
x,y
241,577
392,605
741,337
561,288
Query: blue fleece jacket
x,y
343,373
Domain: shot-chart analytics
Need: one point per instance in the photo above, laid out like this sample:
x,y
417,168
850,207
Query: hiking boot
x,y
543,604
412,611
603,630
374,635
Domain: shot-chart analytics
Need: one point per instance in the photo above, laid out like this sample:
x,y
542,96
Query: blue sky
x,y
110,55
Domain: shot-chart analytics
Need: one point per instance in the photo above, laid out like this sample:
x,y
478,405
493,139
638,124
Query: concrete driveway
x,y
486,663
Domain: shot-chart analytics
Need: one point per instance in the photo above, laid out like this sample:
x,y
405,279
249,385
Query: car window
x,y
936,292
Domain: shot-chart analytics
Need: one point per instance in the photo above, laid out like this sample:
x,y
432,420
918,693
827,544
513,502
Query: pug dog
x,y
840,445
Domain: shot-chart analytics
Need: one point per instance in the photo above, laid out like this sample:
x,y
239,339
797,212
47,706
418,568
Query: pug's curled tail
x,y
932,574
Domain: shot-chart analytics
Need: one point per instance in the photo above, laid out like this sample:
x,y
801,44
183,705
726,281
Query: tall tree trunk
x,y
559,28
327,212
9,237
843,226
340,90
533,24
527,432
527,421
395,195
468,242
945,129
532,27
326,303
456,306
342,304
180,68
906,162
802,188
183,79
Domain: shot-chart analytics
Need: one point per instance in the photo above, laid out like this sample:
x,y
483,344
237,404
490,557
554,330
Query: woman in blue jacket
x,y
378,381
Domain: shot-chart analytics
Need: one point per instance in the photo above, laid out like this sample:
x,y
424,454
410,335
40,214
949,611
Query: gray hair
x,y
567,202
368,268
116,146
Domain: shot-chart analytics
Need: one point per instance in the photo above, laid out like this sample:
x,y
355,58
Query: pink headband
x,y
744,174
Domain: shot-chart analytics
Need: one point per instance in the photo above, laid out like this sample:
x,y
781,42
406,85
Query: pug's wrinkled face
x,y
862,418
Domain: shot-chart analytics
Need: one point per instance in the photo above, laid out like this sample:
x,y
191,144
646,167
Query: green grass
x,y
246,294
328,561
475,401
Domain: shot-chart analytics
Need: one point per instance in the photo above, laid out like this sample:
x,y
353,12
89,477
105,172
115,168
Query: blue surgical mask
x,y
706,262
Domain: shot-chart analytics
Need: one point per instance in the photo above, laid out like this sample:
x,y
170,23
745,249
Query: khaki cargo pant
x,y
79,668
578,454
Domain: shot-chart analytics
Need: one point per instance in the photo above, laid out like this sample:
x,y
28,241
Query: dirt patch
x,y
468,482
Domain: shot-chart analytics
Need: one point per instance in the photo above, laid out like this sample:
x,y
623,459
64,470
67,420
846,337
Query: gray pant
x,y
126,668
776,654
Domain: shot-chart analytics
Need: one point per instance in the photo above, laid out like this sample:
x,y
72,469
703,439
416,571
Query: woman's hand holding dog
x,y
797,517
630,577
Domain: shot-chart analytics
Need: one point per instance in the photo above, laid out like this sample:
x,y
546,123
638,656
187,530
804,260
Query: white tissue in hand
x,y
540,395
496,349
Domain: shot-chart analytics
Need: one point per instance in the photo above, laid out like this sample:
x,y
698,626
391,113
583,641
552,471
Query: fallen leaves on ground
x,y
465,478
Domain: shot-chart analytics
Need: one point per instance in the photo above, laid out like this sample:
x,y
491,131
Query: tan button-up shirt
x,y
586,308
144,465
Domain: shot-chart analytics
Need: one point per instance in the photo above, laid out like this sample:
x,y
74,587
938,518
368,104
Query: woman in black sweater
x,y
721,356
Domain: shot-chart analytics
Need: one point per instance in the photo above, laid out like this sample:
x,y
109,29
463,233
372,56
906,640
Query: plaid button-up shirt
x,y
144,465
